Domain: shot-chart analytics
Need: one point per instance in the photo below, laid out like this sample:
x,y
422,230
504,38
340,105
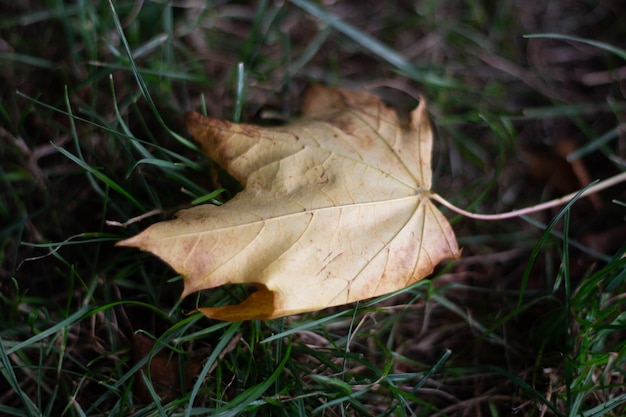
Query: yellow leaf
x,y
335,208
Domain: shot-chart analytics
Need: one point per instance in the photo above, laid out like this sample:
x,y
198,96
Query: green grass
x,y
531,321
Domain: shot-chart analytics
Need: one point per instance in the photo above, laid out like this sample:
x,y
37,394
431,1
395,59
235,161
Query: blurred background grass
x,y
92,97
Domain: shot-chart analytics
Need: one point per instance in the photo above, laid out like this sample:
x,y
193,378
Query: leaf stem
x,y
609,182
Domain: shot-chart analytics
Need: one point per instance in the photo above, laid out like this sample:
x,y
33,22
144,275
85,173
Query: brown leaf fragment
x,y
163,370
549,165
563,148
335,209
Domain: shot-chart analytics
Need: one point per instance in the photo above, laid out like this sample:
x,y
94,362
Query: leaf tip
x,y
419,115
260,305
131,242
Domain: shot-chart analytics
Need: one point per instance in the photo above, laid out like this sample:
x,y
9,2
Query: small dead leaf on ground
x,y
163,370
335,208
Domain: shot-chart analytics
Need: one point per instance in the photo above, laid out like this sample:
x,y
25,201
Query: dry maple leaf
x,y
335,208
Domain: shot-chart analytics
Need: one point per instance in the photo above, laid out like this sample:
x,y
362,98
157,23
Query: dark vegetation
x,y
530,322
